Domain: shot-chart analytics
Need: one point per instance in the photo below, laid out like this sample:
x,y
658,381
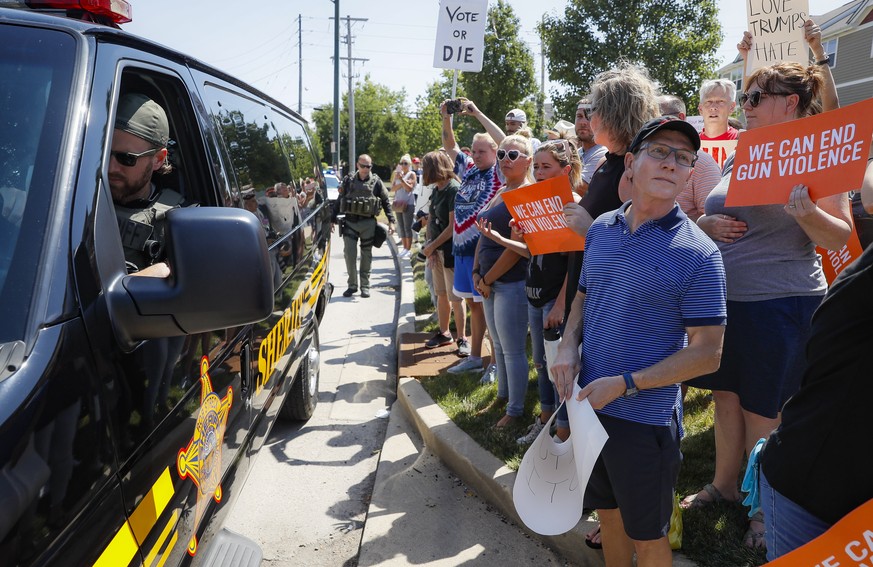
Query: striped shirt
x,y
477,188
642,290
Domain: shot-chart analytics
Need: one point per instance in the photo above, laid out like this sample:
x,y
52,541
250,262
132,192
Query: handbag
x,y
400,201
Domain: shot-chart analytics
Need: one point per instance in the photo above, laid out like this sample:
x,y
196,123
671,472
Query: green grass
x,y
712,536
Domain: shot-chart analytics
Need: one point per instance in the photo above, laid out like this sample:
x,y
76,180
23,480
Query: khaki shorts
x,y
443,278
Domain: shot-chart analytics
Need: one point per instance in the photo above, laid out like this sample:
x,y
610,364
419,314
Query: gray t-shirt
x,y
774,259
590,158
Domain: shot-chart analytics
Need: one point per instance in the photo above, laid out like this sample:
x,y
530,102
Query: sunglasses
x,y
365,166
754,97
685,158
128,159
404,163
562,144
512,154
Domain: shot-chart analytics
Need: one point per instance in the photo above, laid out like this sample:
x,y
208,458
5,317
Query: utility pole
x,y
335,144
300,64
352,152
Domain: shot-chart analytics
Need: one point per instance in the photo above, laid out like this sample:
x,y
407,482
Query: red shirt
x,y
731,134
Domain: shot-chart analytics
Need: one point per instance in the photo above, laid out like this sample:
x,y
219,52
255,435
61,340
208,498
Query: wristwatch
x,y
631,388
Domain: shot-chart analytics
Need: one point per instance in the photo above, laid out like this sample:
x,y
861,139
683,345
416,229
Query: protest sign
x,y
777,32
848,543
835,261
538,210
460,39
826,152
718,149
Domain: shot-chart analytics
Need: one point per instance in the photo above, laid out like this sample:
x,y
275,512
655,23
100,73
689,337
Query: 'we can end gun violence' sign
x,y
538,210
826,152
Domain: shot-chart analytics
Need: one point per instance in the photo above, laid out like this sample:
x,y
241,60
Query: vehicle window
x,y
163,375
37,69
263,168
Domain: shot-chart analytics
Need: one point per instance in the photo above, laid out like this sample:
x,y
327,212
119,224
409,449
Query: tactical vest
x,y
358,197
142,230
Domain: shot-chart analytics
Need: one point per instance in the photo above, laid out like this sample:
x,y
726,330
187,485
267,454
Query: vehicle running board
x,y
229,549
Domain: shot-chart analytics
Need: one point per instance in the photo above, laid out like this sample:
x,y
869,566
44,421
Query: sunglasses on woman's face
x,y
511,154
129,159
754,97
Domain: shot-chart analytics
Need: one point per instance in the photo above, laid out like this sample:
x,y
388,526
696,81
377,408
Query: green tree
x,y
507,79
380,124
675,40
424,127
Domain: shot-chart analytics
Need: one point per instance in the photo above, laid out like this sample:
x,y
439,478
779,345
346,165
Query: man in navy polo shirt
x,y
649,314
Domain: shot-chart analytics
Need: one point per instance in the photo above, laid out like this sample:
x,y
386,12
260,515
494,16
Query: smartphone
x,y
454,106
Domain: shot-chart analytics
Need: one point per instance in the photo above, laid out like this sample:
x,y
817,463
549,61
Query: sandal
x,y
591,536
694,501
496,404
754,538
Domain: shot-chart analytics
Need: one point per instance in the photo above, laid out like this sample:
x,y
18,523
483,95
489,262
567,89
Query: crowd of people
x,y
673,289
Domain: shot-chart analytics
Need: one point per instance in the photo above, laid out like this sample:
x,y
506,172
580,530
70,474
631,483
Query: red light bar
x,y
118,11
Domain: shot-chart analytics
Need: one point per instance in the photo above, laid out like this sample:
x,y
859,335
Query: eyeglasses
x,y
512,154
685,158
754,97
368,166
128,159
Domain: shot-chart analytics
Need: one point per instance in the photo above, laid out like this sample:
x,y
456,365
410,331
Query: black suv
x,y
131,407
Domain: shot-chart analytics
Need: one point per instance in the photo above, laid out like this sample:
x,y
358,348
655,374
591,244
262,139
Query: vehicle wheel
x,y
303,397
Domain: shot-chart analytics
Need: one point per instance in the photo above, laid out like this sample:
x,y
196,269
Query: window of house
x,y
830,48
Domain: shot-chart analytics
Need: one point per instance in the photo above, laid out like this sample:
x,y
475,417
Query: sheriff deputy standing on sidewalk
x,y
361,196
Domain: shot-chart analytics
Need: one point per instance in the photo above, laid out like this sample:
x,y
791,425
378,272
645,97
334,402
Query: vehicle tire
x,y
303,397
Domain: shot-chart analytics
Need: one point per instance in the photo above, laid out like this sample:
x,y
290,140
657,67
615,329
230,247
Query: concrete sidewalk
x,y
395,496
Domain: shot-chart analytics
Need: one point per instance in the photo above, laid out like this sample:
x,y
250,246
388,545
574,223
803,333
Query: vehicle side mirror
x,y
221,277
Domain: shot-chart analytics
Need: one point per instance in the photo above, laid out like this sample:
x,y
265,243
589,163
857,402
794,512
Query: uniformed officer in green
x,y
361,197
139,150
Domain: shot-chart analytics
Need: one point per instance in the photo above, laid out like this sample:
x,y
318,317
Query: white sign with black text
x,y
460,38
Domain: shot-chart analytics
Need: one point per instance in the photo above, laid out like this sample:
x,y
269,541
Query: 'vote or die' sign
x,y
460,39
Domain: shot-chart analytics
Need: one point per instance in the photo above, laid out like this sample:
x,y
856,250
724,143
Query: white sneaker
x,y
403,253
532,432
490,375
469,364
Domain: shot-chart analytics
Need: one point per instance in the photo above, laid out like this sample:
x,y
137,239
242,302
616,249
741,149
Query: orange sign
x,y
833,262
849,542
718,149
539,210
826,152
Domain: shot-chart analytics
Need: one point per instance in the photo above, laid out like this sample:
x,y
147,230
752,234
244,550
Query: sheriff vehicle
x,y
131,407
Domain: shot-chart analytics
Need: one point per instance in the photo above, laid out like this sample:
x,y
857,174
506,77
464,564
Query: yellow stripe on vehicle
x,y
170,547
120,550
147,512
124,545
162,538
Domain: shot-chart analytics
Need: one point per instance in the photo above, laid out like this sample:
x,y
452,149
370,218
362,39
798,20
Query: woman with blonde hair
x,y
402,185
499,274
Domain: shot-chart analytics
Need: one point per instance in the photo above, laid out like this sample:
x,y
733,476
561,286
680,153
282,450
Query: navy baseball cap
x,y
667,122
